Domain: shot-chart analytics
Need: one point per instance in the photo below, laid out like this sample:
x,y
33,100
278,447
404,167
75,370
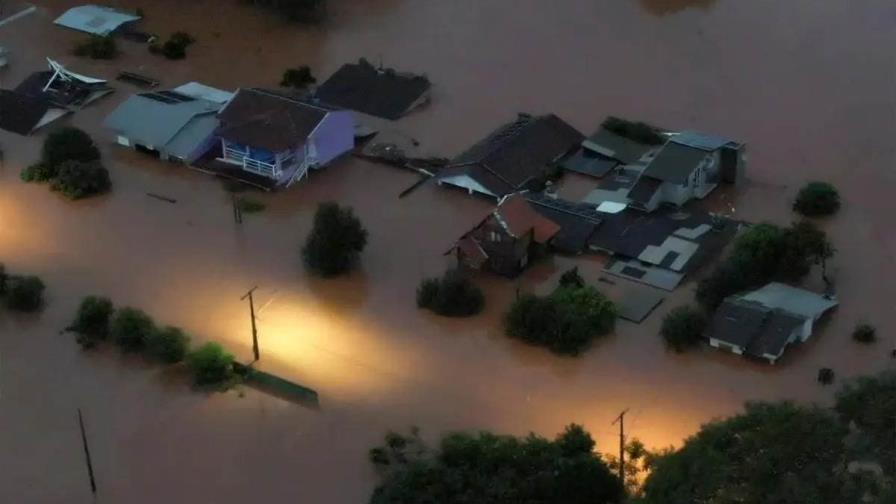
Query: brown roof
x,y
268,120
518,217
472,251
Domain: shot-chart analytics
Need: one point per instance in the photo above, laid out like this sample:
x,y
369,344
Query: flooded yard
x,y
807,84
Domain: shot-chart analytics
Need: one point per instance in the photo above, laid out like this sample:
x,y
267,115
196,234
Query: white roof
x,y
61,71
203,92
791,299
611,207
94,19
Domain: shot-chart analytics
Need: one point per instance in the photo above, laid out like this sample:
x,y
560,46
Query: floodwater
x,y
809,84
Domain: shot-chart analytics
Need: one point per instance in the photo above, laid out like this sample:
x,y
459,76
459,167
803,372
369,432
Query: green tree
x,y
24,293
779,453
495,469
817,199
168,345
864,333
297,78
336,240
572,278
683,328
131,328
175,48
68,144
869,403
453,295
76,179
92,320
210,365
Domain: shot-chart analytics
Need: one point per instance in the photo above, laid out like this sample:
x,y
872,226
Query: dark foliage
x,y
683,328
38,172
92,320
764,253
566,321
302,11
494,469
817,199
869,404
572,278
297,78
771,453
335,242
68,144
864,333
76,179
24,293
634,130
168,345
175,48
97,47
131,328
210,365
453,295
825,376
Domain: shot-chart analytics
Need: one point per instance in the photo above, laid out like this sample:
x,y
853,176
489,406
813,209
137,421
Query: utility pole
x,y
252,313
621,420
87,454
237,211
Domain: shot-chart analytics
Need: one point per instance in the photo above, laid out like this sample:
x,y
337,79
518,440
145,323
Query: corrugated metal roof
x,y
94,19
674,163
791,299
197,90
702,141
158,123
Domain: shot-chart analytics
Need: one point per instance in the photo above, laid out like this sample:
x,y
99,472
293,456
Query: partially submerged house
x,y
577,221
605,150
23,114
279,138
515,157
62,88
96,19
690,165
376,91
170,124
764,322
507,240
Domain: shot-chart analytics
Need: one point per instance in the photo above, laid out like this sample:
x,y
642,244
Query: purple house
x,y
281,138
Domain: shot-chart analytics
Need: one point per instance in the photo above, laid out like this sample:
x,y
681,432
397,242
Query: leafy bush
x,y
572,278
92,320
453,295
485,467
24,293
763,253
76,179
634,130
175,47
817,199
335,242
825,376
97,47
683,328
168,345
869,403
68,144
131,329
298,78
210,365
864,333
565,321
38,172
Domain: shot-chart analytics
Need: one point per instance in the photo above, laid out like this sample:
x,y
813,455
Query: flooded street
x,y
809,85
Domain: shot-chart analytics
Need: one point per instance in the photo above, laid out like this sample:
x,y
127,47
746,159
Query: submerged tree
x,y
97,47
297,78
210,365
92,320
683,328
131,328
495,469
453,295
817,199
336,240
76,179
24,293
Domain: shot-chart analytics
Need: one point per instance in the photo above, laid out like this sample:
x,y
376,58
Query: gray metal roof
x,y
791,299
171,125
702,141
94,19
674,163
609,144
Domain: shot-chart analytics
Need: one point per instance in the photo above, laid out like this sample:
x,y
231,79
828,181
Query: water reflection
x,y
664,7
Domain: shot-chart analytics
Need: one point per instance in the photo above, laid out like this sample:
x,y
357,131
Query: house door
x,y
729,168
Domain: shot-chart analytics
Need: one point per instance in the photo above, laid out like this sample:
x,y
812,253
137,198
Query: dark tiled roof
x,y
516,153
616,146
738,322
20,113
589,163
577,221
381,93
775,334
644,190
674,163
268,120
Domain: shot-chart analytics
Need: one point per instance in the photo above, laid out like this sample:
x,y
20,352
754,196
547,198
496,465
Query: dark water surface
x,y
808,84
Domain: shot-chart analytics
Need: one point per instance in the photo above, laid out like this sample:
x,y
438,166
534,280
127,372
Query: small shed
x,y
95,19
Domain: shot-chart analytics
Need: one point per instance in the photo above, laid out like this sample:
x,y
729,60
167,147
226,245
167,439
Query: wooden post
x,y
87,453
254,329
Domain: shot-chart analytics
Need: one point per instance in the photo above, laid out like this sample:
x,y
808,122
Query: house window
x,y
495,237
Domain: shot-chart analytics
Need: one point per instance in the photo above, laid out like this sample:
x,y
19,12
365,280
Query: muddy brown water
x,y
808,84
